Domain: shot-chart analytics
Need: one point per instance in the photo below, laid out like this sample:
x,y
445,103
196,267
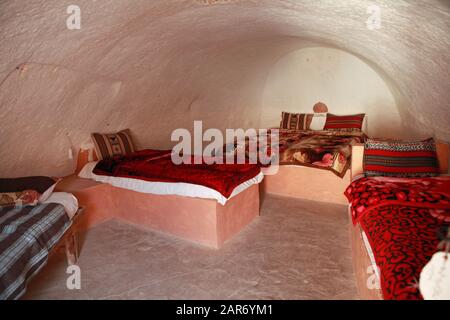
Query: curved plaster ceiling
x,y
157,65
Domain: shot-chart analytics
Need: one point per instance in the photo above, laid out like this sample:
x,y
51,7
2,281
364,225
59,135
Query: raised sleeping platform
x,y
203,221
307,183
361,251
300,176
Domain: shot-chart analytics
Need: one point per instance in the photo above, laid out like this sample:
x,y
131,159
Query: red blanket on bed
x,y
401,218
157,166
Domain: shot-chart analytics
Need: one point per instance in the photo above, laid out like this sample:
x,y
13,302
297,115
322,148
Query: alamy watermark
x,y
238,146
73,21
374,20
73,281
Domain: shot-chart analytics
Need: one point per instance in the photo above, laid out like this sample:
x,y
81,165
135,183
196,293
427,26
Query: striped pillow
x,y
109,145
400,158
295,121
344,123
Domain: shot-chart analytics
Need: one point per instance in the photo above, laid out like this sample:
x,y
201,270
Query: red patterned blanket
x,y
157,166
401,218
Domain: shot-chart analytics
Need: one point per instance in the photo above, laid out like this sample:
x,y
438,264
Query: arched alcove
x,y
154,66
344,82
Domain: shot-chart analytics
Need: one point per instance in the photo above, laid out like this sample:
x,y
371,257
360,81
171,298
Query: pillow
x,y
318,121
344,123
109,145
43,185
47,193
295,121
400,158
68,200
19,198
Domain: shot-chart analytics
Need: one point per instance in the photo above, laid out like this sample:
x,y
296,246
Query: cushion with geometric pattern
x,y
395,158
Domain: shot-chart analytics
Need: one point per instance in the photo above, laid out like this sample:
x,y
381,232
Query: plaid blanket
x,y
27,235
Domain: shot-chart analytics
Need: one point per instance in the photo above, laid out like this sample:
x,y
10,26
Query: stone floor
x,y
294,250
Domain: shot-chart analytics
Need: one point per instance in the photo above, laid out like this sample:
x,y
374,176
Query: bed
x,y
394,235
29,235
314,165
186,201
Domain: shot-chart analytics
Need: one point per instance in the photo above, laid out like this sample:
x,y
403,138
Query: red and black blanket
x,y
401,218
157,166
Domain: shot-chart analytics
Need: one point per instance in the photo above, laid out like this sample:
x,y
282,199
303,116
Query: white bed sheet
x,y
167,188
370,252
68,200
368,248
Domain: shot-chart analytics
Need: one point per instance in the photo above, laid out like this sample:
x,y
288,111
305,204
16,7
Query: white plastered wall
x,y
157,65
345,83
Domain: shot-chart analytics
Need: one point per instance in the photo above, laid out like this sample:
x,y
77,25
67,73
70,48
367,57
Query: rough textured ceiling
x,y
157,65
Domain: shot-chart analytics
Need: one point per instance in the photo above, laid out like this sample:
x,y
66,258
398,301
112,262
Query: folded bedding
x,y
321,149
401,218
157,166
28,190
27,235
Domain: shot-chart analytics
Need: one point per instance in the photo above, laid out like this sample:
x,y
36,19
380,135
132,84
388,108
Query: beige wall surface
x,y
342,81
154,66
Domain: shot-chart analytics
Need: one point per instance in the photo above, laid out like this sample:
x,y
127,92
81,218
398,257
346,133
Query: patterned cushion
x,y
296,121
109,145
20,198
400,158
344,123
